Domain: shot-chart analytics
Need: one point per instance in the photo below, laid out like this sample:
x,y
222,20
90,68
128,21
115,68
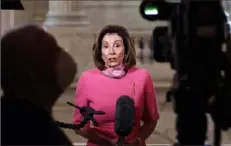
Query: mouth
x,y
112,59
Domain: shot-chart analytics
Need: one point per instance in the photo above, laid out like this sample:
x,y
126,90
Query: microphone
x,y
124,117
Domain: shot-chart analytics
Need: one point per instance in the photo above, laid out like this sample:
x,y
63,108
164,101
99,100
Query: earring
x,y
125,58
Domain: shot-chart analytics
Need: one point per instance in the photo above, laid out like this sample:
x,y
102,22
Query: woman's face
x,y
113,50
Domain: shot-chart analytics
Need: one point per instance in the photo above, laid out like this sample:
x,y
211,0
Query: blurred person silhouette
x,y
35,71
151,57
141,47
116,74
133,40
93,47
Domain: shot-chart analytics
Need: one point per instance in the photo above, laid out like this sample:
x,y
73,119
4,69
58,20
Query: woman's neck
x,y
114,72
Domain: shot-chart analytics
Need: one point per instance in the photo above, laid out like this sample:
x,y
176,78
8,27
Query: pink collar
x,y
115,72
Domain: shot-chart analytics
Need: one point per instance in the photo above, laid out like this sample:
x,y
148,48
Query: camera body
x,y
190,21
197,31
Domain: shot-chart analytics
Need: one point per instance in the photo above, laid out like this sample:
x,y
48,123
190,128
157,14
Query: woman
x,y
115,75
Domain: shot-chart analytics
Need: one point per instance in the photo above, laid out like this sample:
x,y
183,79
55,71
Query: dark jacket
x,y
26,124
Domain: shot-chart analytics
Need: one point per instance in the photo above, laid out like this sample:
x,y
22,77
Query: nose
x,y
111,50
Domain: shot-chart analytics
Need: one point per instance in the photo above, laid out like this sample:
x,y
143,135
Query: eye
x,y
105,46
117,45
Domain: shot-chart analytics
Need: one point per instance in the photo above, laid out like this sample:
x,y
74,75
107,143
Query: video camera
x,y
189,20
194,45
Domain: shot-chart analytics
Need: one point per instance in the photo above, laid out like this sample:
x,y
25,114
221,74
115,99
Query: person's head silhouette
x,y
34,66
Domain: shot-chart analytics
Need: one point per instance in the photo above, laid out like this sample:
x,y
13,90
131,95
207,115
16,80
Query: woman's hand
x,y
134,142
114,141
94,136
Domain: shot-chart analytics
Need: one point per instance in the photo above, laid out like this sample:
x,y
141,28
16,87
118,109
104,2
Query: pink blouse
x,y
101,93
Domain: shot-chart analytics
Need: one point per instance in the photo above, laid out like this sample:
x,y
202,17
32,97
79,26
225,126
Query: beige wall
x,y
25,16
7,20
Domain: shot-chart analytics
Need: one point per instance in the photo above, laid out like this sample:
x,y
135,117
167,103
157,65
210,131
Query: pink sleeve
x,y
80,99
150,104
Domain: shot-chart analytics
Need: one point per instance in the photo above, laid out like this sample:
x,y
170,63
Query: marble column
x,y
7,20
40,11
66,13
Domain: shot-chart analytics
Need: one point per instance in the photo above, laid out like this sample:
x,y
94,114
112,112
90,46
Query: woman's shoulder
x,y
139,71
142,75
90,72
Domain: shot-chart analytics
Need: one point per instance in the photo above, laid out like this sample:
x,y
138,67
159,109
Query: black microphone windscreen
x,y
124,116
